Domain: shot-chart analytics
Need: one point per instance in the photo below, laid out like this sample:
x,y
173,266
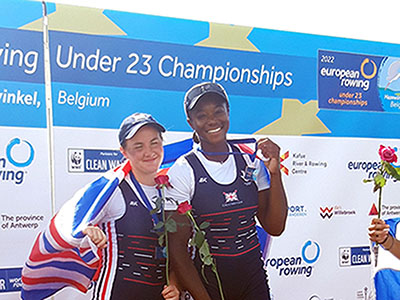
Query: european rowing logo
x,y
302,265
19,158
370,167
20,154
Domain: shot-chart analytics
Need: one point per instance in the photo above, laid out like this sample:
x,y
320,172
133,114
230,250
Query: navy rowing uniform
x,y
140,272
230,209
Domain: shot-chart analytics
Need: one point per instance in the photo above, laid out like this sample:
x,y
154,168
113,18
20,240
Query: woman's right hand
x,y
378,231
96,235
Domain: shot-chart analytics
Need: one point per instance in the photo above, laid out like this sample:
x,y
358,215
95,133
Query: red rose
x,y
387,154
162,181
184,207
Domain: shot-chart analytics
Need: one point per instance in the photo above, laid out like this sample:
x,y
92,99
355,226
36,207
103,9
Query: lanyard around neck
x,y
144,198
232,142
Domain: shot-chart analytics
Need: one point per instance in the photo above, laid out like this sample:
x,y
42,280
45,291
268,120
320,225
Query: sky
x,y
358,19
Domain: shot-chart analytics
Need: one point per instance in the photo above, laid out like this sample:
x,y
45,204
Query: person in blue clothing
x,y
379,233
229,190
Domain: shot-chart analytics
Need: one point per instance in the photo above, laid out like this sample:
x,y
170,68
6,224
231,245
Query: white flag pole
x,y
49,104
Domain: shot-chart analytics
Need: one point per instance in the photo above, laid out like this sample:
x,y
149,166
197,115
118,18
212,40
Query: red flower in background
x,y
385,171
387,154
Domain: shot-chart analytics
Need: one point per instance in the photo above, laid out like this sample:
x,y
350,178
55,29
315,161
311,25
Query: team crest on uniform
x,y
231,197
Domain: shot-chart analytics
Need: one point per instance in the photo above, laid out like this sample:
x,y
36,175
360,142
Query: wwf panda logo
x,y
76,158
345,255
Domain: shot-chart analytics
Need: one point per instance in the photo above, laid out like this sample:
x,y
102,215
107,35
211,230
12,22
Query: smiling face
x,y
145,153
210,119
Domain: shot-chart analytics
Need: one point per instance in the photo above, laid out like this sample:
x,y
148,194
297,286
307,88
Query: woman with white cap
x,y
227,189
122,226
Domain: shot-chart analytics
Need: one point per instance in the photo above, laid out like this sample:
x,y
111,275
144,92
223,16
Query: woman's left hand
x,y
271,151
170,292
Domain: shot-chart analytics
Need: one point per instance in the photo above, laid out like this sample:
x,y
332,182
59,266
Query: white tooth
x,y
214,130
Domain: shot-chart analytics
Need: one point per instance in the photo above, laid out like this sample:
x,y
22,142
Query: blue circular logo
x,y
303,252
393,164
19,164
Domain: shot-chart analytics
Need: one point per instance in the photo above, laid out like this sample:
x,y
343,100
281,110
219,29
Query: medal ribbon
x,y
144,198
236,141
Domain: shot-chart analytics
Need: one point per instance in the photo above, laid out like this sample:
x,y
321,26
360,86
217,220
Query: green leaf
x,y
379,180
367,180
199,238
204,225
394,172
158,204
170,225
192,242
159,225
161,239
205,254
208,260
